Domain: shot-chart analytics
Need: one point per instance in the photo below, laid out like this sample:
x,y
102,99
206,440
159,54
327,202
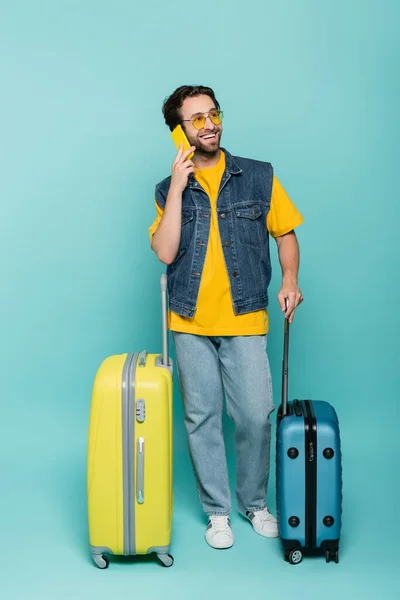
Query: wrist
x,y
175,192
290,278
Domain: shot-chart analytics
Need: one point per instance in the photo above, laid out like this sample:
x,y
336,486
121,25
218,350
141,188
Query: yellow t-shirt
x,y
214,312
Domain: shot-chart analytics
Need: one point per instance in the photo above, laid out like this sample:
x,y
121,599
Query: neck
x,y
205,161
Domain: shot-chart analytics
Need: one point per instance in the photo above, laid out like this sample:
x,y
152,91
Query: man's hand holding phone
x,y
181,169
166,239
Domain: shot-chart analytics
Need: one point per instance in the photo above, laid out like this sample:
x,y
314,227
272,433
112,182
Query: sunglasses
x,y
199,121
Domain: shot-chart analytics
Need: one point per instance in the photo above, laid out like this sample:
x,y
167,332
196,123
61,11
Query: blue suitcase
x,y
308,475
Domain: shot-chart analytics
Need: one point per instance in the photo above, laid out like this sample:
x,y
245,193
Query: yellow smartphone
x,y
179,137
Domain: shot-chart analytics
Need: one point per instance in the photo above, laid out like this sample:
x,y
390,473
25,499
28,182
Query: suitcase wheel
x,y
101,561
332,555
295,556
166,560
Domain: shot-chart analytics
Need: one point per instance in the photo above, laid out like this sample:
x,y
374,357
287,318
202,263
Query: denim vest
x,y
243,203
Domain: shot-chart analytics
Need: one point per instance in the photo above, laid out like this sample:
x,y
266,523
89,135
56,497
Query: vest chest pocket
x,y
250,225
187,224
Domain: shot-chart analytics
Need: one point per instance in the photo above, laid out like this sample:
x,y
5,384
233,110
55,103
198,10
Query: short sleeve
x,y
156,222
283,216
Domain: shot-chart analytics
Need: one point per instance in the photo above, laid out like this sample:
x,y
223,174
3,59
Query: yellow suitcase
x,y
129,463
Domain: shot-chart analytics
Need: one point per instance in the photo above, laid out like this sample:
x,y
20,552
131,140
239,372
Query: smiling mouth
x,y
208,136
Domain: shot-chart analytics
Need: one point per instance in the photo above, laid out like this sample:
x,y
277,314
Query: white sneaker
x,y
219,533
264,523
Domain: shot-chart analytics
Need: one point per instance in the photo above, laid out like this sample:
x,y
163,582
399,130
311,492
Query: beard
x,y
207,148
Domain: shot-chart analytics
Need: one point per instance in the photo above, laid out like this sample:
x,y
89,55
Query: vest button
x,y
223,216
234,274
228,244
238,309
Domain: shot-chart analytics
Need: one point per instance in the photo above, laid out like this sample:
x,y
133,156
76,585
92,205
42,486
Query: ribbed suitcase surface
x,y
309,478
308,474
129,463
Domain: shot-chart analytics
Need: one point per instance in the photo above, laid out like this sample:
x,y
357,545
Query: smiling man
x,y
215,216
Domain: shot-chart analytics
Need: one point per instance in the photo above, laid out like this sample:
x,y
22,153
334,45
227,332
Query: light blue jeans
x,y
210,368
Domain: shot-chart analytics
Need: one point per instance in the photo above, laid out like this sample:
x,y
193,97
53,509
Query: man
x,y
214,217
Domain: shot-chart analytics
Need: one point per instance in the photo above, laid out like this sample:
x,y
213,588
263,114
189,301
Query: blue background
x,y
312,87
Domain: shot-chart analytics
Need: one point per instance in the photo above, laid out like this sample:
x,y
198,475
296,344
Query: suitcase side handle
x,y
140,471
142,358
164,319
285,364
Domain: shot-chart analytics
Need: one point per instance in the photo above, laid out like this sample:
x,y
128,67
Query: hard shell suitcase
x,y
129,463
308,474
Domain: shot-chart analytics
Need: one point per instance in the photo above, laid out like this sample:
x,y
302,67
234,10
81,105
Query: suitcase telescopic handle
x,y
164,319
285,364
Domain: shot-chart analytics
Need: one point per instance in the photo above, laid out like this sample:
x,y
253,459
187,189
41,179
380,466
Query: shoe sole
x,y
220,547
266,535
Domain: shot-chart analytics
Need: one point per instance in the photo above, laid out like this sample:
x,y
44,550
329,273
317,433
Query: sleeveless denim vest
x,y
243,203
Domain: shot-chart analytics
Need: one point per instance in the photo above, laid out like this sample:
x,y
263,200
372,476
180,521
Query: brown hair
x,y
173,103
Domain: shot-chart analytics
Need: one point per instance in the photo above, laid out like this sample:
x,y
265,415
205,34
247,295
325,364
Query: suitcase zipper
x,y
310,430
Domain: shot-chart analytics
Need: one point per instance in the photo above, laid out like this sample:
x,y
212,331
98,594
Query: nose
x,y
209,124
